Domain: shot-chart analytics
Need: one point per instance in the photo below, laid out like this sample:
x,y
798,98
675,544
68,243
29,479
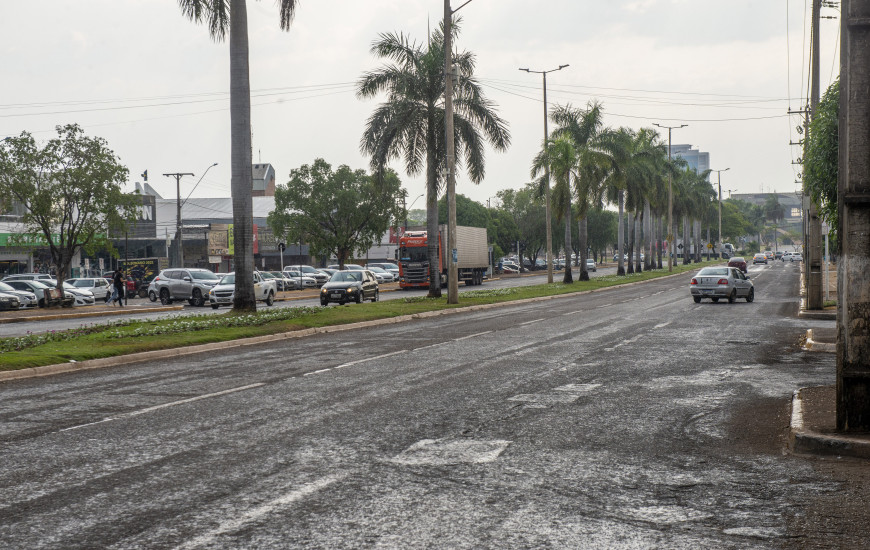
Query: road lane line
x,y
259,512
471,336
605,305
358,361
530,322
317,371
192,399
662,325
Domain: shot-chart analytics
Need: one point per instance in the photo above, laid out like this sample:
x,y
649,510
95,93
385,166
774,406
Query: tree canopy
x,y
821,165
70,189
336,212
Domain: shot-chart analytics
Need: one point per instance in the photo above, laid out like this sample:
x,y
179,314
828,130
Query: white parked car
x,y
382,275
222,293
26,298
81,296
300,280
100,287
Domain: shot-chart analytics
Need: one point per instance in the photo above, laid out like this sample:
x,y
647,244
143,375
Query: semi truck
x,y
472,256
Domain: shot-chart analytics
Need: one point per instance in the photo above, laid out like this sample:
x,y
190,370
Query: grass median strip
x,y
121,337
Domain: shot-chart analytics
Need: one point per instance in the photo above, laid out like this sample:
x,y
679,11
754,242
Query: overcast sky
x,y
156,86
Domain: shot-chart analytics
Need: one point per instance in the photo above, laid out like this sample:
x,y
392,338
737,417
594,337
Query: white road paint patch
x,y
530,322
261,511
440,452
667,515
472,335
603,306
662,325
755,532
544,400
317,372
797,412
165,405
624,342
578,388
570,313
358,361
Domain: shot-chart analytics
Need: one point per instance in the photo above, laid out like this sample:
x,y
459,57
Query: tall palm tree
x,y
222,17
410,123
559,156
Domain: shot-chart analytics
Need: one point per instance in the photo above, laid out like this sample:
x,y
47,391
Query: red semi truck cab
x,y
413,259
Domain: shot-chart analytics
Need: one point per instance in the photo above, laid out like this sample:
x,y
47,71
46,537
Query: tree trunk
x,y
648,236
659,241
569,276
583,236
639,238
241,183
687,250
620,238
432,220
631,217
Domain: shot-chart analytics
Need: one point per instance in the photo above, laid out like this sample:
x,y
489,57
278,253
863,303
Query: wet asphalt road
x,y
627,418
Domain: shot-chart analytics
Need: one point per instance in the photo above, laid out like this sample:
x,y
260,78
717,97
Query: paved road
x,y
627,418
20,329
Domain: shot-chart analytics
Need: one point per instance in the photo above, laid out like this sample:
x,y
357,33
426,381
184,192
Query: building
x,y
697,160
264,180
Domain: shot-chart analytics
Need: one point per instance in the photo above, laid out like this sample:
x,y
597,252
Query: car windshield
x,y
389,266
415,253
229,279
347,276
714,271
37,284
204,275
737,259
266,275
377,270
6,288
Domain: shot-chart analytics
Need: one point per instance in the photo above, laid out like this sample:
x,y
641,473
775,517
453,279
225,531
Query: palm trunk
x,y
432,220
686,248
583,236
639,237
620,237
241,183
569,276
648,236
632,224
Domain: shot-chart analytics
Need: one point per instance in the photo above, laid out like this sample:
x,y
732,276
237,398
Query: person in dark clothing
x,y
118,284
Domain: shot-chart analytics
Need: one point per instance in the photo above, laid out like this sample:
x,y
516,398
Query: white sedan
x,y
382,275
81,296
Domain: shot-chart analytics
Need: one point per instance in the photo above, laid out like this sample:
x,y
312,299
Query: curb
x,y
75,366
805,442
85,314
812,345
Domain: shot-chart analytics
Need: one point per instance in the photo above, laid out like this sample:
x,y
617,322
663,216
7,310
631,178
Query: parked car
x,y
309,271
9,301
796,257
222,293
590,265
26,298
759,258
99,286
81,296
382,275
39,288
721,282
510,267
391,267
27,277
738,262
354,267
328,271
300,280
177,284
282,280
350,285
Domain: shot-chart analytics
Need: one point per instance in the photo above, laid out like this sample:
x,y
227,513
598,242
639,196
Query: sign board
x,y
455,256
102,265
214,259
87,264
141,269
680,246
709,245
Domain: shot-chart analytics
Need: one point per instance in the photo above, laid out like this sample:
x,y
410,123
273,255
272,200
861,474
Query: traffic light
x,y
145,175
281,247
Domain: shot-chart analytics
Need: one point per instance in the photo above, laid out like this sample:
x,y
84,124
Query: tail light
x,y
722,282
694,281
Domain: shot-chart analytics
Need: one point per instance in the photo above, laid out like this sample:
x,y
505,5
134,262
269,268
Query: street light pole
x,y
547,177
671,244
719,183
177,176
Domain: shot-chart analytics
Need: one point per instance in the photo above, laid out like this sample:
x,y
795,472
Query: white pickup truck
x,y
222,293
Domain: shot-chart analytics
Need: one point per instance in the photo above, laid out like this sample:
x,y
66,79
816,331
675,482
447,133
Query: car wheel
x,y
151,296
323,302
215,306
697,299
197,299
751,296
715,300
270,299
732,296
164,297
359,296
376,297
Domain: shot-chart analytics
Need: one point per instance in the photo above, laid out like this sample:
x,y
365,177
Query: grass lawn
x,y
123,337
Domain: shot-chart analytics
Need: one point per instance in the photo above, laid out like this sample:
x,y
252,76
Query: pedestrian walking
x,y
118,284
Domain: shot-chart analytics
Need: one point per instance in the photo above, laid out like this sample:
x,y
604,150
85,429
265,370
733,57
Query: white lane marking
x,y
429,346
626,301
662,325
570,313
624,342
165,405
260,511
656,293
605,305
471,336
530,322
317,371
358,361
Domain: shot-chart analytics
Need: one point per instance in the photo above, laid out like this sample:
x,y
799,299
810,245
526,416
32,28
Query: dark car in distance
x,y
351,285
738,262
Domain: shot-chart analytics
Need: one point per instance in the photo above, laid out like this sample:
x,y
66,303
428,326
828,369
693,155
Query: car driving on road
x,y
590,265
721,282
350,286
759,258
738,262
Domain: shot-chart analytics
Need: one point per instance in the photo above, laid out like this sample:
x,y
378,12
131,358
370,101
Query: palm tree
x,y
222,16
560,156
410,123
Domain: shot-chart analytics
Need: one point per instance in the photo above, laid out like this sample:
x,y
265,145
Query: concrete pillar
x,y
853,197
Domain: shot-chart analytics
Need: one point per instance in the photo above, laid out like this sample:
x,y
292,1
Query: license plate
x,y
334,295
708,292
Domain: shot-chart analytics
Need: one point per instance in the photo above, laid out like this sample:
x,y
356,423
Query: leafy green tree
x,y
560,157
602,231
70,190
336,212
410,123
468,212
222,17
822,156
529,216
502,231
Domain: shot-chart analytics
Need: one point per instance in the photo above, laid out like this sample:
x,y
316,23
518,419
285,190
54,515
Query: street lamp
x,y
719,183
547,176
410,207
671,244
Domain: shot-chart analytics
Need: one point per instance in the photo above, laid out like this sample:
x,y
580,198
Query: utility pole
x,y
719,181
549,214
177,176
452,271
672,246
853,201
813,264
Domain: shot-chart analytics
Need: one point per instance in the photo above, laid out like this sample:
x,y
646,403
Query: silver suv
x,y
188,284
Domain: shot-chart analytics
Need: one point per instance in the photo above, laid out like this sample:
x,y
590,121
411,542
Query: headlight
x,y
324,290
